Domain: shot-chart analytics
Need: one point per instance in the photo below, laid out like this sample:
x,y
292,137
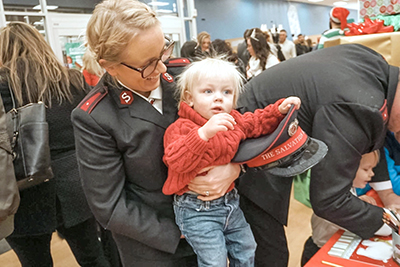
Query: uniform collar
x,y
155,94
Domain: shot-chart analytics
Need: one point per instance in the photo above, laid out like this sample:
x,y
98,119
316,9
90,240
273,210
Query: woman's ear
x,y
111,68
189,98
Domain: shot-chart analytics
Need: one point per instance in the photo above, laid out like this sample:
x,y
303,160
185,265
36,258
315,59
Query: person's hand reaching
x,y
288,102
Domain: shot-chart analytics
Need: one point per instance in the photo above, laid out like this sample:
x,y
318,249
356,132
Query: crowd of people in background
x,y
256,53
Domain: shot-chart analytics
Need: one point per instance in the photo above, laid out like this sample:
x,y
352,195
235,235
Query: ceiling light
x,y
340,3
158,4
315,1
38,7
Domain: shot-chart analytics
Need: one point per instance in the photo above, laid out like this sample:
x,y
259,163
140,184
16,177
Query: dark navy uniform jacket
x,y
343,91
119,142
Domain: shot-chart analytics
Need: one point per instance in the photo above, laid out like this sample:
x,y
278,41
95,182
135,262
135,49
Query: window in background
x,y
163,7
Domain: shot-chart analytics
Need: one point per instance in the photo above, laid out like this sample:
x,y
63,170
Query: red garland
x,y
369,26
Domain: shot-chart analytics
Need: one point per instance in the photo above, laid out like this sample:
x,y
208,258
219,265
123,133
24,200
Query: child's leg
x,y
240,241
202,225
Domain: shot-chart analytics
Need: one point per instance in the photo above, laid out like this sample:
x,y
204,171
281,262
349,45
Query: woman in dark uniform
x,y
119,130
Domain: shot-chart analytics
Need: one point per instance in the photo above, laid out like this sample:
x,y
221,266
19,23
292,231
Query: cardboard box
x,y
387,44
372,8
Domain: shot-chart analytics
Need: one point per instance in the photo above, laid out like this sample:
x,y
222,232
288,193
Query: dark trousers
x,y
272,250
190,261
310,248
34,251
109,247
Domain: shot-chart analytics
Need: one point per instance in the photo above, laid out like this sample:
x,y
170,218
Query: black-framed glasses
x,y
147,70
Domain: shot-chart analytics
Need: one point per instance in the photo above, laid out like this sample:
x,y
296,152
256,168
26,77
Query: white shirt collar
x,y
156,95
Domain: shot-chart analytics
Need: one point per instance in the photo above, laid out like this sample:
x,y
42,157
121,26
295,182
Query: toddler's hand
x,y
285,105
217,123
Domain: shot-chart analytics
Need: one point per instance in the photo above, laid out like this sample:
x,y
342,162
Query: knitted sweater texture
x,y
186,154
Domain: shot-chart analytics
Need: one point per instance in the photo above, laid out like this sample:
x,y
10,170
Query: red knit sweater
x,y
186,154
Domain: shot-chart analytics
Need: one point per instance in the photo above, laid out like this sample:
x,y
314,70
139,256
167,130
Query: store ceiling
x,y
350,4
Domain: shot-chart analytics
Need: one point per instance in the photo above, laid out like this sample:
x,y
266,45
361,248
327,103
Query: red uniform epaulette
x,y
92,99
177,62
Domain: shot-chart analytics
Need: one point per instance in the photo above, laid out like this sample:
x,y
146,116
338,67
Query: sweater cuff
x,y
275,110
195,143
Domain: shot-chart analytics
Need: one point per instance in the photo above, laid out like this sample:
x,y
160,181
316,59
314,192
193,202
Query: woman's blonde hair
x,y
201,36
202,70
377,155
31,65
91,65
113,25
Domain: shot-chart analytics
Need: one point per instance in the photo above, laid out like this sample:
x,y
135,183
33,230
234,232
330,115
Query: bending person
x,y
334,111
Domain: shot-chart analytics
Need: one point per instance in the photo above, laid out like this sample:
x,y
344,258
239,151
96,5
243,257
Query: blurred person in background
x,y
287,47
204,47
9,194
337,24
188,50
261,56
221,47
32,71
92,71
301,45
242,51
270,41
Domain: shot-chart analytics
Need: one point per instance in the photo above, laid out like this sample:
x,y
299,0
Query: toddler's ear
x,y
189,98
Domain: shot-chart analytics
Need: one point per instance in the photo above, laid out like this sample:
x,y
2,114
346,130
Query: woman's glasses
x,y
147,70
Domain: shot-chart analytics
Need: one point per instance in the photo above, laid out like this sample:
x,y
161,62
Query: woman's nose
x,y
161,68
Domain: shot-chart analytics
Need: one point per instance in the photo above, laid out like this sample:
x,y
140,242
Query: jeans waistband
x,y
193,198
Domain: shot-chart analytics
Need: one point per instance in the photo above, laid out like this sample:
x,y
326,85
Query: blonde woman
x,y
204,47
32,72
119,132
92,71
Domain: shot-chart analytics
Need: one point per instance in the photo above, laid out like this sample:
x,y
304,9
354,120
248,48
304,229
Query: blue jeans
x,y
216,229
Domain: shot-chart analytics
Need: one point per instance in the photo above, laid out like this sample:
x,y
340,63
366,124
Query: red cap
x,y
339,15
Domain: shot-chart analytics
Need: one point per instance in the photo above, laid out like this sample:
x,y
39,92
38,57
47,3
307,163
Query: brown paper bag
x,y
387,44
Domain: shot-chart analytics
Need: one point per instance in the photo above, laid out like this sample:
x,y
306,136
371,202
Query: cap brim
x,y
311,154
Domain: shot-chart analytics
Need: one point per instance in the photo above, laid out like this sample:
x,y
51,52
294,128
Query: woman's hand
x,y
216,182
288,102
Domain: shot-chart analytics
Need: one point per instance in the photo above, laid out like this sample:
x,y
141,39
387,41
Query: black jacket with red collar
x,y
343,91
119,142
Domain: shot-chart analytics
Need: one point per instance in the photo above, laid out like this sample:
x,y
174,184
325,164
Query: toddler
x,y
208,133
323,230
